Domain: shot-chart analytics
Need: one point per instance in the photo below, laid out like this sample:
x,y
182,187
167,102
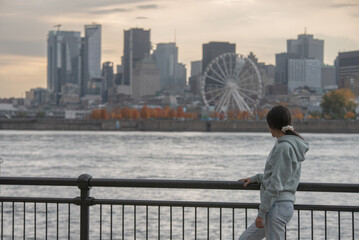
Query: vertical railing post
x,y
83,183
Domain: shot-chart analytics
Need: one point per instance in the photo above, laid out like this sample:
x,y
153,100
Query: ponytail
x,y
279,118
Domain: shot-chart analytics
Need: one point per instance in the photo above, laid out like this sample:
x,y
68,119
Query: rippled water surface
x,y
171,155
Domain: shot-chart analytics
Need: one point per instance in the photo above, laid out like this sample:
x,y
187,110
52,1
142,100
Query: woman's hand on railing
x,y
246,180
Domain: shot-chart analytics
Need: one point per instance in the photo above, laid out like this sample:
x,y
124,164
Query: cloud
x,y
109,11
148,6
141,17
344,5
23,47
110,51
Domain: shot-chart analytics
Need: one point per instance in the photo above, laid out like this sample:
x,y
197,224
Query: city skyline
x,y
255,26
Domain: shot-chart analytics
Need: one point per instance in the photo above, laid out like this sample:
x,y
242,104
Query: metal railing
x,y
73,218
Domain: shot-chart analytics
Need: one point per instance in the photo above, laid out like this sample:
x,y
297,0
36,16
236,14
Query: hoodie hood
x,y
299,145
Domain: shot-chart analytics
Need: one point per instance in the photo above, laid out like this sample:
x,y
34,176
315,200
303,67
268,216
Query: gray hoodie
x,y
282,171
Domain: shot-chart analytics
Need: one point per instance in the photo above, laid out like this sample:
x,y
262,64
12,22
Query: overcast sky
x,y
260,26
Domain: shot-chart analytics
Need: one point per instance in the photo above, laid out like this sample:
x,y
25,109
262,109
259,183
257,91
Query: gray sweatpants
x,y
274,223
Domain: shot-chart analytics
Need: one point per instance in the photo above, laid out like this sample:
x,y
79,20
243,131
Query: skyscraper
x,y
108,77
306,47
146,79
63,60
137,46
166,57
349,71
212,50
281,67
194,79
181,76
304,72
91,53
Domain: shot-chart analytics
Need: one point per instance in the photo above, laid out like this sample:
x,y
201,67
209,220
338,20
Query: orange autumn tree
x,y
135,114
231,115
145,112
104,114
180,112
172,114
262,114
349,115
166,112
337,103
297,114
126,112
96,114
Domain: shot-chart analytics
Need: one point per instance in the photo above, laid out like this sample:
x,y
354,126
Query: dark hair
x,y
279,117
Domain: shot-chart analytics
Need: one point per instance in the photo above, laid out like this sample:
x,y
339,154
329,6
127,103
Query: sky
x,y
258,26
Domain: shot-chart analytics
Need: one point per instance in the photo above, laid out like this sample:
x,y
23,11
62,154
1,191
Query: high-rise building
x,y
212,50
166,57
281,67
196,68
181,76
137,46
306,47
349,71
195,78
146,79
63,60
91,52
108,77
328,77
304,73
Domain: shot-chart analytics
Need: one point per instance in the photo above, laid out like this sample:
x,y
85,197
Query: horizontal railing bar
x,y
329,187
38,181
335,208
39,200
185,184
228,185
218,204
154,183
162,203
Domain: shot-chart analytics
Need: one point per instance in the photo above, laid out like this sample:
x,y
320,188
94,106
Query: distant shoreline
x,y
302,126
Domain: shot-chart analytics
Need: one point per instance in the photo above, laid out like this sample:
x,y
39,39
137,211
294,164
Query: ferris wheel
x,y
231,82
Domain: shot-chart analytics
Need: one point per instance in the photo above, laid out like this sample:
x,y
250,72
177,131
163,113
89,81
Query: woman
x,y
280,179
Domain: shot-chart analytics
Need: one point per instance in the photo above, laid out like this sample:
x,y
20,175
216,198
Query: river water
x,y
173,155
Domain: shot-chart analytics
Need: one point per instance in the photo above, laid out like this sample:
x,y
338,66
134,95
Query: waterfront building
x,y
166,57
38,96
63,60
348,63
70,94
304,73
307,47
212,50
137,46
91,56
146,79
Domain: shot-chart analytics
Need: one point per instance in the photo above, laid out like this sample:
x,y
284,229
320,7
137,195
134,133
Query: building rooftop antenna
x,y
175,36
58,27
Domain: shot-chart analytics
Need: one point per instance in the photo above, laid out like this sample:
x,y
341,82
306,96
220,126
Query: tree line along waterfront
x,y
336,104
